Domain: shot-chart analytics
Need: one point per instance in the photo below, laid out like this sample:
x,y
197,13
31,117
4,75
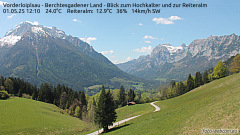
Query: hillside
x,y
212,106
26,116
34,117
40,54
169,62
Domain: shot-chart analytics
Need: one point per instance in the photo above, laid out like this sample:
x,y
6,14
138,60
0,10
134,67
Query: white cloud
x,y
1,3
149,37
162,21
88,40
75,20
166,20
11,16
122,61
144,49
107,52
174,18
148,42
140,24
115,62
128,58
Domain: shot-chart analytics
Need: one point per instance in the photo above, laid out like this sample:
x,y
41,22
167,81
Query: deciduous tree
x,y
235,65
219,70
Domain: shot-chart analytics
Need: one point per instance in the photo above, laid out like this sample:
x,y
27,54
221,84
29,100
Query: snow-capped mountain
x,y
42,54
167,61
16,34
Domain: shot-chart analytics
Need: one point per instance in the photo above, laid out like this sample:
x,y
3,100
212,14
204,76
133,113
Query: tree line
x,y
178,88
100,108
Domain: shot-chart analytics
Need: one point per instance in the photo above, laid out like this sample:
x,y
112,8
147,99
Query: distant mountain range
x,y
168,62
41,54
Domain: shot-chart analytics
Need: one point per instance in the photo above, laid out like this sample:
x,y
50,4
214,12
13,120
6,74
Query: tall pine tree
x,y
198,80
122,97
205,77
105,113
190,83
131,95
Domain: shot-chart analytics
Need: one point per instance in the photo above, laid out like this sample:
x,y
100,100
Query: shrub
x,y
4,95
27,96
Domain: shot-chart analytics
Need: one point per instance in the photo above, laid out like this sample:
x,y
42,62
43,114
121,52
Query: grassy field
x,y
134,110
212,106
26,116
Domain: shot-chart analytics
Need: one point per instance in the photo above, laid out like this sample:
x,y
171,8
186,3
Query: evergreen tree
x,y
131,95
34,95
57,94
19,93
190,83
63,89
205,77
198,80
83,98
2,81
67,105
63,100
219,70
181,88
139,98
105,113
47,94
122,97
9,86
172,84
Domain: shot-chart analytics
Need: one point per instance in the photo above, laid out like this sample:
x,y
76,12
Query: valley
x,y
54,83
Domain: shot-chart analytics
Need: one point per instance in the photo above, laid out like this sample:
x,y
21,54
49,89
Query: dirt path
x,y
157,108
123,121
115,124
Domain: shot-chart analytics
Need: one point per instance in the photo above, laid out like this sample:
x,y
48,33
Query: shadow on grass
x,y
116,128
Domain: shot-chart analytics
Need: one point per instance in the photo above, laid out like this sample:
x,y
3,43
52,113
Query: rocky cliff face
x,y
171,62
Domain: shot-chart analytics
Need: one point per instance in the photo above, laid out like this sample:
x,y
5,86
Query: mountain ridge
x,y
45,54
166,60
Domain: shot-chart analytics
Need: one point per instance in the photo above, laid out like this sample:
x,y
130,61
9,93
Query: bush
x,y
27,96
4,95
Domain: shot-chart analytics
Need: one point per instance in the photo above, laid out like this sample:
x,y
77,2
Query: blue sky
x,y
122,37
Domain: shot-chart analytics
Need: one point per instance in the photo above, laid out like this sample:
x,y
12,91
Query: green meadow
x,y
212,106
26,116
133,110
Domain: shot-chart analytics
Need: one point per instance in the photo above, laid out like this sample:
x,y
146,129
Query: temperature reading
x,y
107,10
56,10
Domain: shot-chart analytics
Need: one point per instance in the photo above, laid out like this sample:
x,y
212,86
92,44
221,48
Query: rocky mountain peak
x,y
183,45
168,61
15,34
